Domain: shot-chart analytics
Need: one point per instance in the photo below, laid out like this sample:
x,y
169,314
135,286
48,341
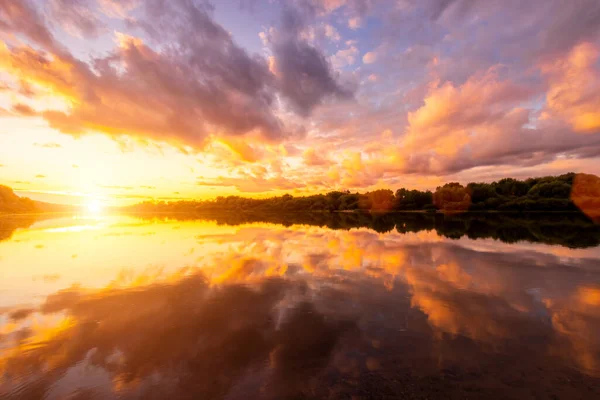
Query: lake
x,y
304,306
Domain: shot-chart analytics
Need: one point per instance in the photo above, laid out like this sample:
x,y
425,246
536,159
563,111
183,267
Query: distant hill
x,y
10,203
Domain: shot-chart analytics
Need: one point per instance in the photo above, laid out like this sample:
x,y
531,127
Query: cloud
x,y
243,150
349,7
21,17
24,110
48,145
76,16
469,36
329,5
455,88
312,158
354,23
200,84
488,120
332,33
194,97
574,92
304,75
48,278
544,26
481,123
116,187
20,314
118,8
345,57
444,123
370,57
253,184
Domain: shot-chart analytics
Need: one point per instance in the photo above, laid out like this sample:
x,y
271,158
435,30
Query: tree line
x,y
567,192
10,203
550,193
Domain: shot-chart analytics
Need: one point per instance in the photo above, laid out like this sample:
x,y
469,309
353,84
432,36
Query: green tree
x,y
452,197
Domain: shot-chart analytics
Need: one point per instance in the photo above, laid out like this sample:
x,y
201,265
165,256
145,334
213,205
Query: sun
x,y
94,206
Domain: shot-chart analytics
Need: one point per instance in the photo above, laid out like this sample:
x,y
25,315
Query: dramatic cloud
x,y
574,92
21,17
200,84
312,158
381,93
483,122
542,27
304,75
76,16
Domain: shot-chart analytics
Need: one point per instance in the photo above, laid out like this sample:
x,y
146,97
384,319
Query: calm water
x,y
412,306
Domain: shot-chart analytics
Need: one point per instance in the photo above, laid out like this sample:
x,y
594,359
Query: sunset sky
x,y
125,101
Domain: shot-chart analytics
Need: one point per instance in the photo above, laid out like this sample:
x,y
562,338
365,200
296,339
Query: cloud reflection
x,y
306,312
199,339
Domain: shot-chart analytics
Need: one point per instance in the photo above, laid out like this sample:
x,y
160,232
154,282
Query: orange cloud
x,y
577,320
242,149
452,116
24,110
312,158
253,184
574,91
370,57
155,107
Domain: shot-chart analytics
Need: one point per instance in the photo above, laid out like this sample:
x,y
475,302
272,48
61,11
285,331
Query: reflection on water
x,y
566,229
129,307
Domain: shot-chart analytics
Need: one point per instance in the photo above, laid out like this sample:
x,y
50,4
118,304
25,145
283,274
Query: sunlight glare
x,y
94,206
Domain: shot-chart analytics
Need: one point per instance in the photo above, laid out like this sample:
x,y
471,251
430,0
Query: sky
x,y
125,101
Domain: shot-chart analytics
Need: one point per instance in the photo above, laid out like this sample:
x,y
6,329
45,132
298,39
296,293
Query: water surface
x,y
313,306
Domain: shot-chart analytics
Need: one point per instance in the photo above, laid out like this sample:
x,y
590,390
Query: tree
x,y
511,187
452,197
381,200
553,189
413,199
11,203
480,192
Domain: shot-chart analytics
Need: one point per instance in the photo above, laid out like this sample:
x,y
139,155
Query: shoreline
x,y
371,212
